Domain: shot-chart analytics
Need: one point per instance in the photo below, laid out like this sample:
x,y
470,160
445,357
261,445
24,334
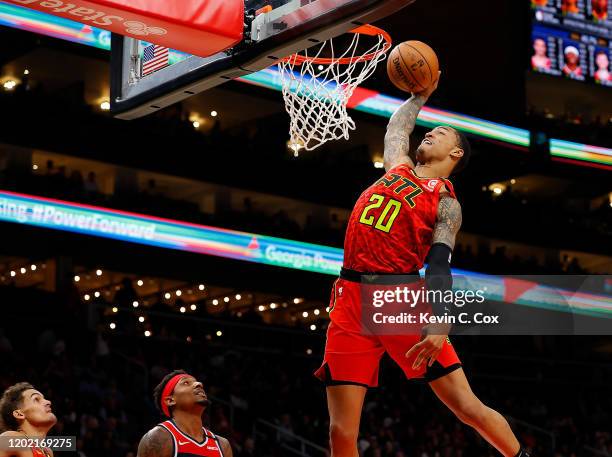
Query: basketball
x,y
412,66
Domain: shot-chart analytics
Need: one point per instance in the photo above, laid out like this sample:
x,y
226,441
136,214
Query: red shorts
x,y
353,357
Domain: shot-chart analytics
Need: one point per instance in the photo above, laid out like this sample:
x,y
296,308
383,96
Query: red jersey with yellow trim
x,y
186,446
391,227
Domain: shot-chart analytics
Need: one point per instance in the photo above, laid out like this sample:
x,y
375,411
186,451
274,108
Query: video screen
x,y
571,39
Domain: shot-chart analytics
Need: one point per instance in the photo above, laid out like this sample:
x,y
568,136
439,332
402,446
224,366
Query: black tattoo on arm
x,y
156,443
399,129
448,221
225,446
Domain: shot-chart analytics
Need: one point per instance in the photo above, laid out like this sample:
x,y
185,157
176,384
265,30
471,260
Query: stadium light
x,y
215,302
272,305
77,278
219,333
313,327
167,295
213,113
226,299
201,287
378,164
147,333
96,294
86,297
305,314
140,282
497,188
238,296
183,309
22,270
105,105
13,274
34,167
317,312
261,308
178,293
98,272
135,304
193,307
113,326
115,309
141,319
26,72
33,267
10,84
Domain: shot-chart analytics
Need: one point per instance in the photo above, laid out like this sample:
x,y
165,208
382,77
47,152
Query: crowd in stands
x,y
574,126
100,383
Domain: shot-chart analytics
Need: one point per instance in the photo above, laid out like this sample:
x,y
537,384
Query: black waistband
x,y
379,278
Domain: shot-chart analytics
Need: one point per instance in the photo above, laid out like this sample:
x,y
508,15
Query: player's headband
x,y
168,389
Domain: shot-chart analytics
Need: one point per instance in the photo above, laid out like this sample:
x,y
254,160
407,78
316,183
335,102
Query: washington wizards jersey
x,y
186,446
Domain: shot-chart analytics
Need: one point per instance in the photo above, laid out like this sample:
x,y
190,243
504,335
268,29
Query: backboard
x,y
145,78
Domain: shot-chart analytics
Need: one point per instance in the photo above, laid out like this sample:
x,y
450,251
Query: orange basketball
x,y
412,66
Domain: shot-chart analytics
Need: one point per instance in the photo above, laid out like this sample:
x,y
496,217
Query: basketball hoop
x,y
317,89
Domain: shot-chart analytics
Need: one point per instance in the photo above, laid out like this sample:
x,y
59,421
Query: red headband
x,y
168,389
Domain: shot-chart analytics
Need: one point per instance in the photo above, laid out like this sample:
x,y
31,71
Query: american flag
x,y
154,58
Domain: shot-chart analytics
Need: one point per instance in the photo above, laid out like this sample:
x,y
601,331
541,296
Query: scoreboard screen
x,y
572,39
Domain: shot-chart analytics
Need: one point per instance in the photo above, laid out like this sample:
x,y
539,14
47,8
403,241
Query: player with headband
x,y
181,398
408,217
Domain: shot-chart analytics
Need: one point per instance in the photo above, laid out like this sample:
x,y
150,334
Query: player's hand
x,y
427,92
428,349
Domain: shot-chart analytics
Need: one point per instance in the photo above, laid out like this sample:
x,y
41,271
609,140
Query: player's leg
x,y
350,366
344,403
455,392
448,381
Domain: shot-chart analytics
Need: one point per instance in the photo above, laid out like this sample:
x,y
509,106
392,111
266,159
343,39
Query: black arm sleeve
x,y
438,277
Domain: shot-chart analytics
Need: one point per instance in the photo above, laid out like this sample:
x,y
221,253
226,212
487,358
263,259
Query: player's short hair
x,y
463,144
12,399
157,392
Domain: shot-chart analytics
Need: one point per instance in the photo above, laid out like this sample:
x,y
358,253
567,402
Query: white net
x,y
317,91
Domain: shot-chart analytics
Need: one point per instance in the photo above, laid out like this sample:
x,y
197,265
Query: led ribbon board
x,y
581,154
166,233
364,100
53,26
267,250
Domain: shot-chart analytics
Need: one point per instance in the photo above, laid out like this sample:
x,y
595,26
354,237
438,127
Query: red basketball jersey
x,y
186,446
36,452
390,229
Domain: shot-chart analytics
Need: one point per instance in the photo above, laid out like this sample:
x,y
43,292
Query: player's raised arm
x,y
156,443
400,127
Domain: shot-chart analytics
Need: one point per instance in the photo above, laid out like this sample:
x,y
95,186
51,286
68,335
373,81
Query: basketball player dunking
x,y
423,223
181,398
25,414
